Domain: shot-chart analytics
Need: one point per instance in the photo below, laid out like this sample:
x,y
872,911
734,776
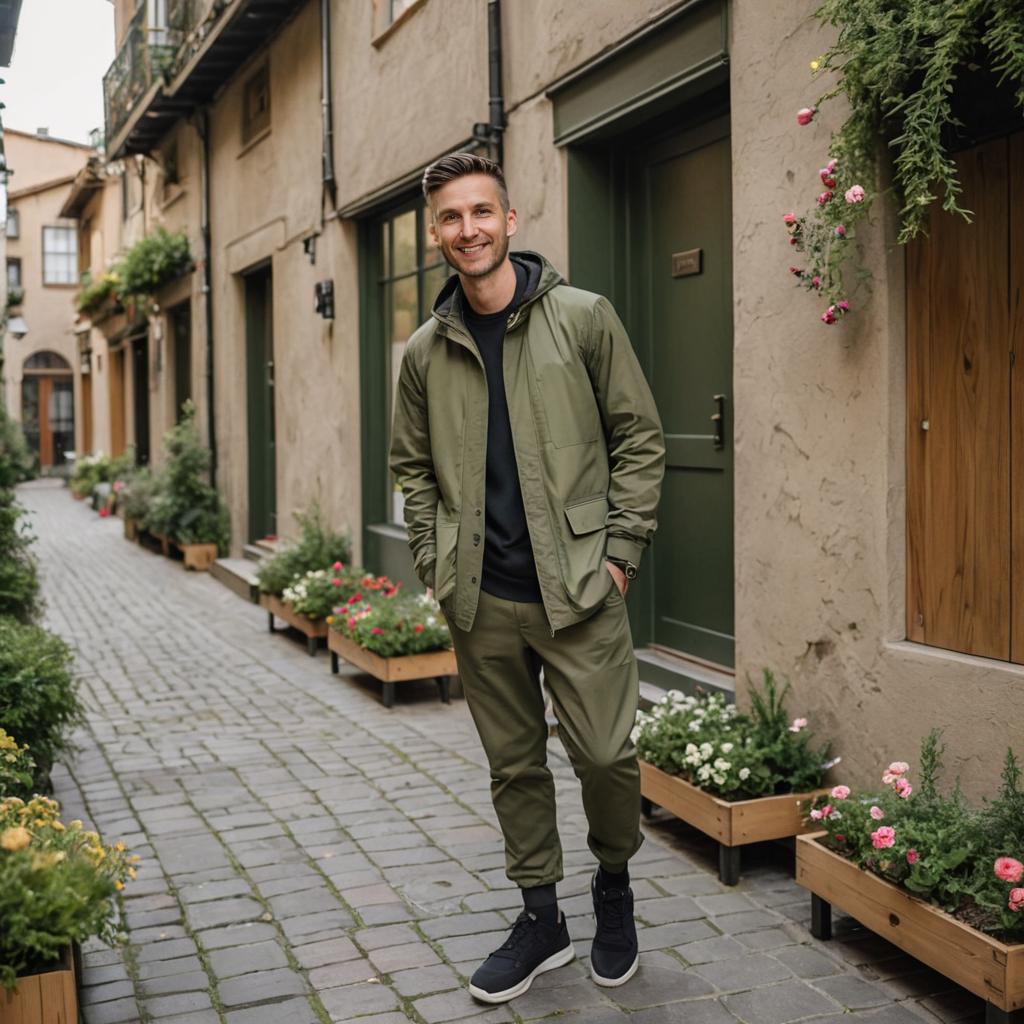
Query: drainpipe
x,y
496,121
326,108
203,126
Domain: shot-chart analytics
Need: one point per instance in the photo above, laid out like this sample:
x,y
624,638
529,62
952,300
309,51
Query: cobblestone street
x,y
309,856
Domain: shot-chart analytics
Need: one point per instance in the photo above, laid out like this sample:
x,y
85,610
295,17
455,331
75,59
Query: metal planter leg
x,y
311,646
728,864
270,622
444,688
646,807
993,1015
334,662
821,918
388,695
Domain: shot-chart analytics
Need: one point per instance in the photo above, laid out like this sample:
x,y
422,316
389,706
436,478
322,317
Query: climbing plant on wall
x,y
899,64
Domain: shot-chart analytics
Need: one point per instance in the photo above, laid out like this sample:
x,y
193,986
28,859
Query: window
x,y
965,426
388,12
60,255
13,273
412,272
256,104
13,223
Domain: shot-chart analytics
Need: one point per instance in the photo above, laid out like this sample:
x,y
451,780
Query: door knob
x,y
718,419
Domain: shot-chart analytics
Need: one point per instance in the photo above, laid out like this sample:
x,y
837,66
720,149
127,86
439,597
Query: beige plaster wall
x,y
820,419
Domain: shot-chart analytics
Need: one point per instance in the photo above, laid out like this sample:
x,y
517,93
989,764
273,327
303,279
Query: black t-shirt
x,y
509,571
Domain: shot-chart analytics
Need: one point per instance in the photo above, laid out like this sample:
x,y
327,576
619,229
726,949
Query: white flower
x,y
635,734
726,748
719,779
694,727
676,696
691,749
704,772
722,765
744,773
706,750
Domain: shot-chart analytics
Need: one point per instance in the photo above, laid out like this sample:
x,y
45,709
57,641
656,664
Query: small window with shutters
x,y
965,414
256,105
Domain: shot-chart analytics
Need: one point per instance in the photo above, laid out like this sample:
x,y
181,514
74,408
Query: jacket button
x,y
478,511
476,538
473,580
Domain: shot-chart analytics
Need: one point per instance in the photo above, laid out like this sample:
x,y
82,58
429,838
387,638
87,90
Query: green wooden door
x,y
259,339
680,210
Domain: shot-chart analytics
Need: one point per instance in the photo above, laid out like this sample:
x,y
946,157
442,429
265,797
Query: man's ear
x,y
511,222
432,229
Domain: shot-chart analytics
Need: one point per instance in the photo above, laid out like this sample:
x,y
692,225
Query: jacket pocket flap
x,y
587,516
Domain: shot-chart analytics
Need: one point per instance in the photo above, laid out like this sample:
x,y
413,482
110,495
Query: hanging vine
x,y
898,63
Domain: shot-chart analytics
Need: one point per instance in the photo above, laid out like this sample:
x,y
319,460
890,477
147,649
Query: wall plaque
x,y
686,263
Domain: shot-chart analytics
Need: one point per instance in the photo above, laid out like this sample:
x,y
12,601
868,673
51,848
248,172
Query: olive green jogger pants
x,y
591,673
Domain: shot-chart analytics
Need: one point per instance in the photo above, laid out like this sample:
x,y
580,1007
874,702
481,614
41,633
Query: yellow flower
x,y
118,886
815,64
132,874
15,839
329,619
76,824
57,826
119,846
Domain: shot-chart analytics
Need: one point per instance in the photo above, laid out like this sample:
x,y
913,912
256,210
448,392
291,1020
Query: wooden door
x,y
260,383
682,211
1015,295
958,417
140,392
115,362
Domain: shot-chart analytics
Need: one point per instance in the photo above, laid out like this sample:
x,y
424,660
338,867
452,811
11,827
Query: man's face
x,y
470,226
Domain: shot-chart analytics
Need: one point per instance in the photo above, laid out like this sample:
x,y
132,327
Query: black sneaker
x,y
532,948
614,954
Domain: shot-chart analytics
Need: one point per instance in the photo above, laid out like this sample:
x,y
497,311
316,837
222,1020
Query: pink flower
x,y
1008,869
831,165
911,856
805,115
843,305
798,724
829,316
376,631
840,792
793,241
898,768
877,813
826,178
884,837
1016,901
903,788
855,194
823,813
825,197
104,512
815,281
840,231
789,219
355,599
352,622
337,567
336,582
796,271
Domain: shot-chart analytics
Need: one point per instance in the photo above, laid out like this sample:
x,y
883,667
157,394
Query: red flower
x,y
825,197
806,115
911,856
797,271
336,582
418,628
840,838
104,512
337,567
376,631
826,178
355,599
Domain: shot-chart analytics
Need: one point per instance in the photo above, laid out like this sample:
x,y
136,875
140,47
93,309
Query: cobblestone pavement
x,y
312,857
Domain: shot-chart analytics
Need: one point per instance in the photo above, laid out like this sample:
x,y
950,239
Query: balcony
x,y
164,72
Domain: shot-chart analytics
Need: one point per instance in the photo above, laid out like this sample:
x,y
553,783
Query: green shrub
x,y
736,756
136,496
17,463
966,861
183,506
16,767
19,581
38,696
316,548
58,885
94,294
392,625
154,261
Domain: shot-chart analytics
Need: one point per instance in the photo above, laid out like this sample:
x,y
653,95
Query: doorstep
x,y
237,575
660,672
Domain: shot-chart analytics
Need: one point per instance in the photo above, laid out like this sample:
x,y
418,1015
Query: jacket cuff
x,y
625,548
425,571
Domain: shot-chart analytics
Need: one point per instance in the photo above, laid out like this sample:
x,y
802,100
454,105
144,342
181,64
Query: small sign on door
x,y
686,263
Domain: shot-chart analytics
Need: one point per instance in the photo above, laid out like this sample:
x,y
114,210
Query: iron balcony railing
x,y
154,35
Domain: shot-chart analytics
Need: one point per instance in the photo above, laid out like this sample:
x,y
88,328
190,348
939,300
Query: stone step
x,y
254,553
237,574
660,672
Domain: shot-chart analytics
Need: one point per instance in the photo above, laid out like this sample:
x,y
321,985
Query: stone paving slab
x,y
311,857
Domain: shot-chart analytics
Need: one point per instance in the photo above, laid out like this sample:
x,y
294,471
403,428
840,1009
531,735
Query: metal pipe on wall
x,y
326,101
203,125
496,106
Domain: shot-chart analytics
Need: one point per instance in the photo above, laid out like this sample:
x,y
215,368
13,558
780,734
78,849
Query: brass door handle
x,y
718,419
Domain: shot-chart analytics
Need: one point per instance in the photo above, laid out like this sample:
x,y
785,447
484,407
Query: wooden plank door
x,y
958,418
1016,298
260,382
115,362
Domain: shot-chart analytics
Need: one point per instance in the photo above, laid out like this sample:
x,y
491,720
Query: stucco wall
x,y
820,420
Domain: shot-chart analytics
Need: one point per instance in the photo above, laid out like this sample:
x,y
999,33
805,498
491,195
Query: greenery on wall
x,y
899,65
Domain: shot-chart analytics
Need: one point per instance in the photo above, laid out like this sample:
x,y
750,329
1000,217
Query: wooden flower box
x,y
131,528
435,664
733,824
50,997
990,969
312,629
194,556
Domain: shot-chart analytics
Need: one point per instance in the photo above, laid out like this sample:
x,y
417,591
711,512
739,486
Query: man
x,y
529,449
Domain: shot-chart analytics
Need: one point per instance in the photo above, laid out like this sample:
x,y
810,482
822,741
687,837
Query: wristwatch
x,y
629,569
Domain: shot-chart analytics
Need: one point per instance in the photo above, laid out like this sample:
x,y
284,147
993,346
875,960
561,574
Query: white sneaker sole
x,y
559,959
615,982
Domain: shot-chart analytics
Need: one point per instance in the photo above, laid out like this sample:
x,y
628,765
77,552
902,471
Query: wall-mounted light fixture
x,y
323,293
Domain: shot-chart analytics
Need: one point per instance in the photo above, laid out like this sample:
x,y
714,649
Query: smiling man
x,y
530,453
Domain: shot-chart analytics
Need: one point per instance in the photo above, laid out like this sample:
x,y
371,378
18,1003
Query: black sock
x,y
541,901
613,879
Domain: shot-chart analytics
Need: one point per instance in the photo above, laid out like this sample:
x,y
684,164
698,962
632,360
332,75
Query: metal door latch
x,y
718,419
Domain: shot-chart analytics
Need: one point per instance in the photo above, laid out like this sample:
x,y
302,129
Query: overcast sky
x,y
61,52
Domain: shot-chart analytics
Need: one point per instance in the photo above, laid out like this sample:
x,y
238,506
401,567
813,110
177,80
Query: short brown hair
x,y
458,165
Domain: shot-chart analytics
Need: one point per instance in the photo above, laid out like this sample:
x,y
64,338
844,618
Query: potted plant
x,y
739,778
16,767
392,637
58,886
939,879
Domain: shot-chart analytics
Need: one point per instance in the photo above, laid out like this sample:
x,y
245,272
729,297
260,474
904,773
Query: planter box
x,y
47,998
131,528
312,629
435,664
732,823
990,969
194,556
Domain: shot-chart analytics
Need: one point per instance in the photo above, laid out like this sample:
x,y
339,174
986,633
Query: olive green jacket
x,y
587,437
